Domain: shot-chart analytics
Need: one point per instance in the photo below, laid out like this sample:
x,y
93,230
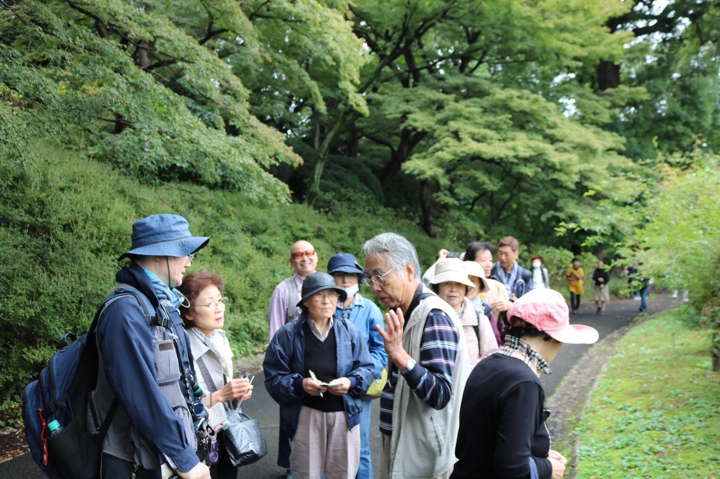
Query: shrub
x,y
67,219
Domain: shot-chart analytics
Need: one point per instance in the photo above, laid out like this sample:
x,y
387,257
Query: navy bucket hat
x,y
344,263
164,235
316,282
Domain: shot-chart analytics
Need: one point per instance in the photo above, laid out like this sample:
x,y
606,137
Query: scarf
x,y
517,348
509,280
163,291
217,343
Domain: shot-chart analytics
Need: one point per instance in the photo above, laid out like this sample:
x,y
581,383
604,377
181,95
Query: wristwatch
x,y
408,366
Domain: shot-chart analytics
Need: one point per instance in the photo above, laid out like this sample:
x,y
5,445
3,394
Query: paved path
x,y
262,407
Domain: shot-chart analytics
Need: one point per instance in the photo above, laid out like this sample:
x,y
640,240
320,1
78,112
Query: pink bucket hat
x,y
547,311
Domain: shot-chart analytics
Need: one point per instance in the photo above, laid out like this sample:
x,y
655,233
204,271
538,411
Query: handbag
x,y
377,386
242,439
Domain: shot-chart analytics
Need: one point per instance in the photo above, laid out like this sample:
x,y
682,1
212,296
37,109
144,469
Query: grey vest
x,y
292,310
123,440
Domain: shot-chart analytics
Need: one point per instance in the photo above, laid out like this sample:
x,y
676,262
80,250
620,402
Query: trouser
x,y
575,301
323,444
116,468
385,461
365,470
644,293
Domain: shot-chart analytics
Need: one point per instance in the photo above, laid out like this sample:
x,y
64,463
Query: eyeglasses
x,y
378,279
215,304
322,296
300,254
190,257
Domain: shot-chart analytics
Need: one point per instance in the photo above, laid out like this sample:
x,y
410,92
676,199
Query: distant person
x,y
318,369
643,287
204,319
540,277
503,433
452,284
632,274
507,270
428,367
601,278
364,314
575,275
283,310
496,295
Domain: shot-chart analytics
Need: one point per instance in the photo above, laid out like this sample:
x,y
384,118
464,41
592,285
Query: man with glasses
x,y
419,407
286,295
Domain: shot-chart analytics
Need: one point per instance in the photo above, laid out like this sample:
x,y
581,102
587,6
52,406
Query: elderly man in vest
x,y
304,259
420,405
283,309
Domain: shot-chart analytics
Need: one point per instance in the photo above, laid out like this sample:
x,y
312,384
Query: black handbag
x,y
242,439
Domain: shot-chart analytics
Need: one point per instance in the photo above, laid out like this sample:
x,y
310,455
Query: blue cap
x,y
164,235
344,263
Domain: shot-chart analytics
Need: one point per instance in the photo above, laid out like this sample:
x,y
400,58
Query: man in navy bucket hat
x,y
145,364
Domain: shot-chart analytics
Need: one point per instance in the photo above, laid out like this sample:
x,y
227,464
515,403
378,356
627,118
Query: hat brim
x,y
346,269
455,277
575,334
176,248
306,296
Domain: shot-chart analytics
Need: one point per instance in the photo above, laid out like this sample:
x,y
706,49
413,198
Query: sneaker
x,y
599,311
289,475
637,298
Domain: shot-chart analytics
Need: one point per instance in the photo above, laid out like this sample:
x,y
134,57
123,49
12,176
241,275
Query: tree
x,y
122,82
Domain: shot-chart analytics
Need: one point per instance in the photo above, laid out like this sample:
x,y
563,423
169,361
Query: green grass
x,y
655,412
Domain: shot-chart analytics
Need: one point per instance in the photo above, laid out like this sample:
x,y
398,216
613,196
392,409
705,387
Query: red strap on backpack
x,y
43,436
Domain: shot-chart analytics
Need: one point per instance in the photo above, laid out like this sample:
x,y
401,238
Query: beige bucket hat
x,y
452,269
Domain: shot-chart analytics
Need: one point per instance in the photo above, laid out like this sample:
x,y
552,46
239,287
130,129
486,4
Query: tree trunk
x,y
608,74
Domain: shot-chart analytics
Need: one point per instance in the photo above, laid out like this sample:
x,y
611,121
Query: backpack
x,y
61,393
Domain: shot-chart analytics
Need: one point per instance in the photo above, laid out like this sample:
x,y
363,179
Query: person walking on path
x,y
601,278
364,314
575,275
502,432
419,407
517,280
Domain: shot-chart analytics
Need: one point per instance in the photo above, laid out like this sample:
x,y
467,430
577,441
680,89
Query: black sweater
x,y
601,273
502,422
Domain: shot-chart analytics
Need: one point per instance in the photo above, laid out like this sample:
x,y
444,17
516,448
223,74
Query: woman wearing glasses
x,y
318,369
203,319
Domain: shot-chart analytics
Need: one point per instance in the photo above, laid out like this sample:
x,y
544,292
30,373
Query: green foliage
x,y
67,218
680,241
654,412
95,77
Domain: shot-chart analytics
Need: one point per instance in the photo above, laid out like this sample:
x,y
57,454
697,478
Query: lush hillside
x,y
66,219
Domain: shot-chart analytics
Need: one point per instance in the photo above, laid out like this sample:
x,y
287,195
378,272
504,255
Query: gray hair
x,y
398,252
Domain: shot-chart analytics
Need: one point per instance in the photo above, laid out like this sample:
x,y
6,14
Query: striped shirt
x,y
431,378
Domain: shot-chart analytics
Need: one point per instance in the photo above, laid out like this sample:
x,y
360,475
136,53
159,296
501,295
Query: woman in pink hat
x,y
502,417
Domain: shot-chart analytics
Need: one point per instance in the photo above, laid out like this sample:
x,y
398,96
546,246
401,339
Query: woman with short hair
x,y
451,283
318,369
204,317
